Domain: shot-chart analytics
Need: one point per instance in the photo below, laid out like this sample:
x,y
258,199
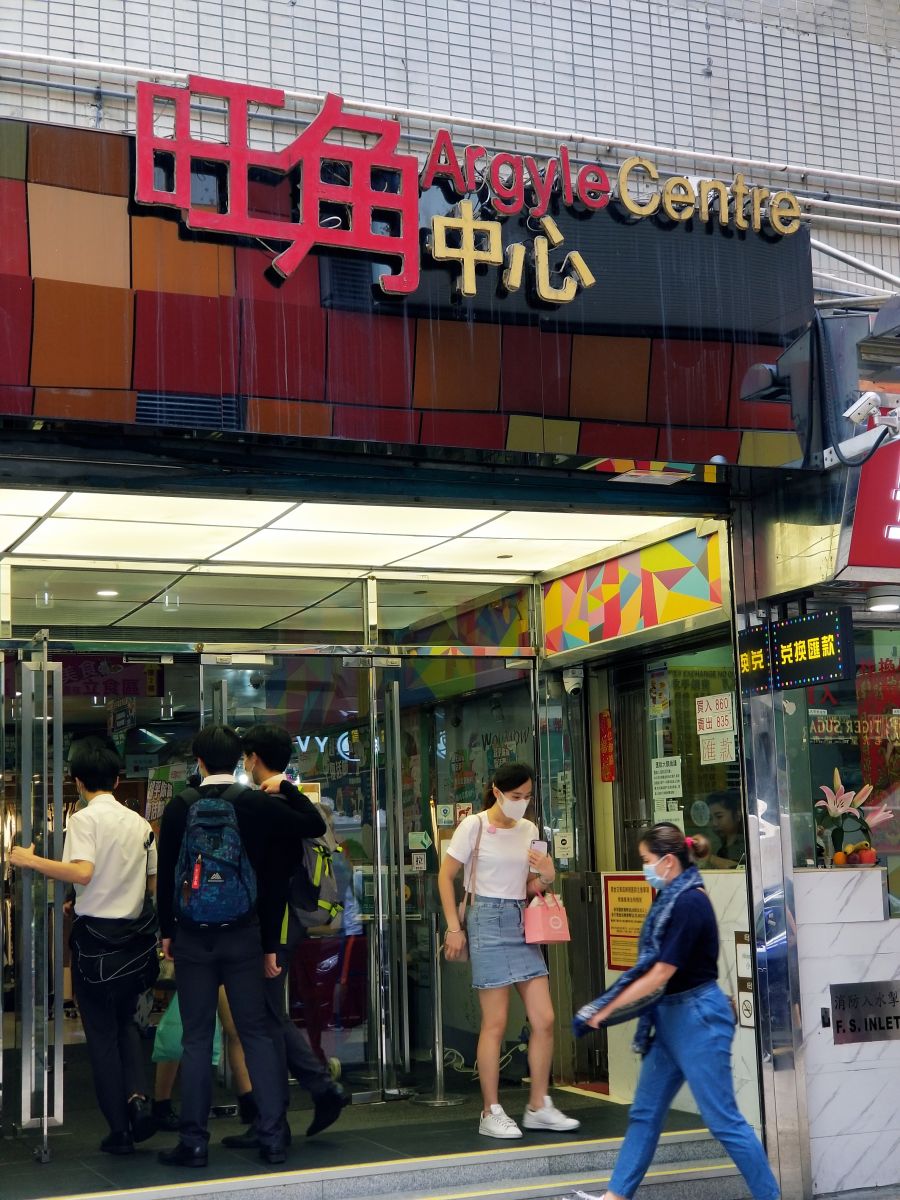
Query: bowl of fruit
x,y
857,854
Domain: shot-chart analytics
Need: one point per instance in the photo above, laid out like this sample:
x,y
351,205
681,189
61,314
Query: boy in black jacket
x,y
236,955
267,752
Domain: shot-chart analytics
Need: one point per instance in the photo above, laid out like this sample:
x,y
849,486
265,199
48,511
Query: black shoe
x,y
184,1156
117,1143
141,1118
328,1108
165,1116
248,1140
274,1153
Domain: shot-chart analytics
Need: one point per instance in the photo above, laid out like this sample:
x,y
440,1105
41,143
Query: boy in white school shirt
x,y
110,856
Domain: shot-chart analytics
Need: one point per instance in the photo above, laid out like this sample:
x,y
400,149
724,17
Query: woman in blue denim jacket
x,y
686,1022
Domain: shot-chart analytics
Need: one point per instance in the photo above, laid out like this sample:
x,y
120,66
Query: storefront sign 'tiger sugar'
x,y
362,193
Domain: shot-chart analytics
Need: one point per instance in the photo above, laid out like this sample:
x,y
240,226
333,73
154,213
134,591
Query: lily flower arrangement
x,y
848,814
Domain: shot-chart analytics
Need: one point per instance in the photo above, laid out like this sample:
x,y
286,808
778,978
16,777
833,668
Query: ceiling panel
x,y
204,616
565,526
516,555
249,588
172,510
67,612
364,550
326,619
385,518
24,502
12,528
132,586
120,539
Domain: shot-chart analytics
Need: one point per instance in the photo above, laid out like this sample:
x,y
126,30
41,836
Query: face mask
x,y
514,809
653,878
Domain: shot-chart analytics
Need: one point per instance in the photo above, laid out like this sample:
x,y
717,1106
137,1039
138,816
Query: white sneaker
x,y
497,1124
549,1117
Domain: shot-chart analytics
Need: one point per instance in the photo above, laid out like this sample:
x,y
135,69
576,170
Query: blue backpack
x,y
215,883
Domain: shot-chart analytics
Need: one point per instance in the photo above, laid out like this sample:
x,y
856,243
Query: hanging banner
x,y
607,748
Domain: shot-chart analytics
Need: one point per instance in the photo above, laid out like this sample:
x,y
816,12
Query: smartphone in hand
x,y
539,846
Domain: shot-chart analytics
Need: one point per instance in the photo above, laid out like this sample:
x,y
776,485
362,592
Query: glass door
x,y
31,904
149,705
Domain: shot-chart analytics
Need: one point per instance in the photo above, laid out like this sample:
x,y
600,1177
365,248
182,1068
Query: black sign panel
x,y
865,1012
797,652
655,277
754,658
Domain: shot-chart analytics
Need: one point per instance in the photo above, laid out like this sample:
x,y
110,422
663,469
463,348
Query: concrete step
x,y
714,1179
689,1166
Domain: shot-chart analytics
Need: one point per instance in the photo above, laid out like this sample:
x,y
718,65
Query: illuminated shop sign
x,y
363,195
797,652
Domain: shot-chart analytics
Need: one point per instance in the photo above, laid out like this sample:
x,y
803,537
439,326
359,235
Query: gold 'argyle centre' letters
x,y
679,199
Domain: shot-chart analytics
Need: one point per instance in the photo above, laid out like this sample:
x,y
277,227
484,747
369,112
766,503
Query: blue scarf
x,y
649,946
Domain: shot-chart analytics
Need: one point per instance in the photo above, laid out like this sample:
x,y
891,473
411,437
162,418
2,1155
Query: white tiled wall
x,y
812,81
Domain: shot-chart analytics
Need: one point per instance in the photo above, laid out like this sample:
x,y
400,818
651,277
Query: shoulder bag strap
x,y
470,890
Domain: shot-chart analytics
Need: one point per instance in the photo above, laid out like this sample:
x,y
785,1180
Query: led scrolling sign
x,y
797,652
375,188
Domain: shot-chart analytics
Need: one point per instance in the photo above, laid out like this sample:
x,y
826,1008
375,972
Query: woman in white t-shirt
x,y
507,871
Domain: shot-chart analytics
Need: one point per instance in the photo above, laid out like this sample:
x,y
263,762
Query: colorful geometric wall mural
x,y
664,582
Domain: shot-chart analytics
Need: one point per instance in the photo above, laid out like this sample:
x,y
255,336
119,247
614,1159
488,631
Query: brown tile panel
x,y
16,401
79,236
604,439
475,430
168,258
282,351
457,366
291,418
82,336
15,328
85,404
13,149
535,371
79,158
689,383
610,376
13,228
186,344
370,359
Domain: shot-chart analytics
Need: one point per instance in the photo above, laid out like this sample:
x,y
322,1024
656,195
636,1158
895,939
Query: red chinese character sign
x,y
350,197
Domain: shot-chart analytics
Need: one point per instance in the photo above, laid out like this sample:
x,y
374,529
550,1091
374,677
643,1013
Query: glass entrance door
x,y
397,750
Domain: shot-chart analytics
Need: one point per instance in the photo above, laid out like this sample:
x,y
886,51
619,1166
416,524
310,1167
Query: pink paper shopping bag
x,y
546,920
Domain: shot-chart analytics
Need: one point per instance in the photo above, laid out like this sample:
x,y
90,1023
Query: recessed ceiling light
x,y
883,599
107,592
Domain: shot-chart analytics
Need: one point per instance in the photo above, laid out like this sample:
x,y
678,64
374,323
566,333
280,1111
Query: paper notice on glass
x,y
668,810
716,748
665,774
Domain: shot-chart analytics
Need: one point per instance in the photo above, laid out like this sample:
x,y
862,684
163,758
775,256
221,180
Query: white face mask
x,y
514,809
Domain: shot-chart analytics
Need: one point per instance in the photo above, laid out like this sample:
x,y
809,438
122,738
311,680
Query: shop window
x,y
694,774
847,735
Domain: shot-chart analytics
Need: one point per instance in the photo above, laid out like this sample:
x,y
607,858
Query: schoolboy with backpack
x,y
221,897
312,900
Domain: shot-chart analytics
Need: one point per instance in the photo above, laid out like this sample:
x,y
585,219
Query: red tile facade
x,y
207,317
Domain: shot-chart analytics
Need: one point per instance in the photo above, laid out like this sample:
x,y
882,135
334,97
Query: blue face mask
x,y
650,874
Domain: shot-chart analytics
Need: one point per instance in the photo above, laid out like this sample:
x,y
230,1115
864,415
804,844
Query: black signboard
x,y
865,1012
754,658
797,652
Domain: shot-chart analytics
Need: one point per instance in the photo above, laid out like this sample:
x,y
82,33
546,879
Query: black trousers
x,y
204,960
114,1044
292,1044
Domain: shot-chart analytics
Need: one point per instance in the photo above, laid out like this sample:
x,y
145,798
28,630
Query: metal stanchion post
x,y
438,1098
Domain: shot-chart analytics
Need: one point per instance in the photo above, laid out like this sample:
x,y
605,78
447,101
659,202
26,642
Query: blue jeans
x,y
694,1031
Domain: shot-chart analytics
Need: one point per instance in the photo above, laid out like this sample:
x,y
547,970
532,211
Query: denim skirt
x,y
497,948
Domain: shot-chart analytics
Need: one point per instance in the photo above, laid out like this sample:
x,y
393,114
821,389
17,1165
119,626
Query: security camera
x,y
866,406
573,681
